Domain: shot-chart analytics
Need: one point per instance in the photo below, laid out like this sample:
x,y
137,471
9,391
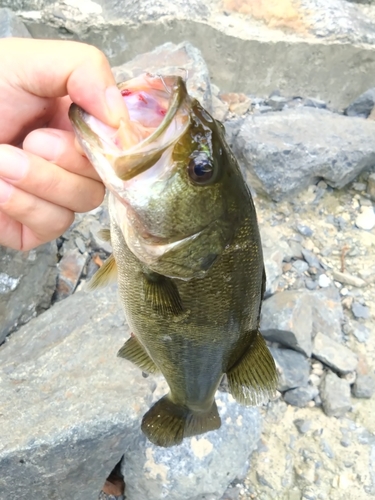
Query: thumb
x,y
52,68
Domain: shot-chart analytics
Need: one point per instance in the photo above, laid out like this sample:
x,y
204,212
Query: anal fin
x,y
162,294
253,379
167,423
104,275
133,351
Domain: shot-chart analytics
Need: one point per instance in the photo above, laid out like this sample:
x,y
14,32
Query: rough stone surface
x,y
27,283
70,408
300,396
338,357
286,151
328,35
335,394
198,469
293,368
275,250
183,59
362,106
70,269
286,319
364,386
11,25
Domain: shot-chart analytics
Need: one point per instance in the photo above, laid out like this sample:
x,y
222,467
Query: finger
x,y
48,181
27,221
59,147
56,68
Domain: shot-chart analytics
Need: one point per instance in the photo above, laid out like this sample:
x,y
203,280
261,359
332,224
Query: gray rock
x,y
300,266
335,394
275,250
286,317
361,332
302,425
328,314
293,368
287,151
277,102
197,469
300,396
311,258
27,283
338,357
364,386
96,241
348,279
314,103
362,106
360,311
70,409
183,59
304,230
11,25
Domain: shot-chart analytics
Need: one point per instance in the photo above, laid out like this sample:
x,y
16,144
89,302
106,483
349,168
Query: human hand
x,y
43,184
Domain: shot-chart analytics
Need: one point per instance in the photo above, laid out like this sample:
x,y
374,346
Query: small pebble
x,y
324,281
304,230
300,266
360,311
366,219
302,425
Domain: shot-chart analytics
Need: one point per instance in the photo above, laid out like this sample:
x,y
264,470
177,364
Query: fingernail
x,y
13,163
5,191
116,106
48,144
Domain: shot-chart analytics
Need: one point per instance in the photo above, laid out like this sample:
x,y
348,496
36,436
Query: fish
x,y
187,254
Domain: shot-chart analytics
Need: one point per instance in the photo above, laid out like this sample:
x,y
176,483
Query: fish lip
x,y
136,155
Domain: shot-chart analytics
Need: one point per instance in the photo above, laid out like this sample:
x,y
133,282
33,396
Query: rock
x,y
348,279
364,386
293,368
371,186
366,219
219,109
300,266
303,426
96,241
360,311
172,59
300,396
70,409
27,283
314,103
361,332
311,258
197,469
304,230
11,25
324,281
286,317
338,357
275,250
277,102
327,312
238,103
335,394
362,106
70,269
287,151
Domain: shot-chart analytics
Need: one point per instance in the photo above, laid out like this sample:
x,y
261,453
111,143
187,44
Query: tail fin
x,y
166,423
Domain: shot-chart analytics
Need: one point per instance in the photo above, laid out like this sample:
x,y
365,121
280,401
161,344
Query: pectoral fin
x,y
133,351
253,379
162,294
105,274
105,234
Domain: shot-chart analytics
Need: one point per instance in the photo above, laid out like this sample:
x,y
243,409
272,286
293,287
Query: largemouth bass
x,y
186,251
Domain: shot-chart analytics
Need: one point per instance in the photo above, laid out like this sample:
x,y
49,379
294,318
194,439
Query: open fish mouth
x,y
158,114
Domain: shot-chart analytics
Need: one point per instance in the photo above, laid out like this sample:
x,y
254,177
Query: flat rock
x,y
286,317
168,59
327,34
70,409
348,279
27,283
300,396
287,151
11,25
293,368
338,357
364,386
335,394
362,105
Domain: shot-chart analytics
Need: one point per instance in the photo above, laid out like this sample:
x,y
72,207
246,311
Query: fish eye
x,y
201,168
